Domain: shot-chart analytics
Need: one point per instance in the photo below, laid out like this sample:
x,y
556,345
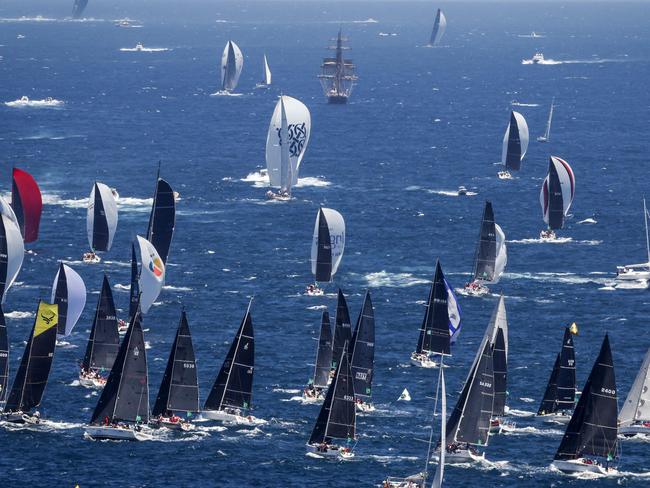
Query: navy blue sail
x,y
162,219
362,355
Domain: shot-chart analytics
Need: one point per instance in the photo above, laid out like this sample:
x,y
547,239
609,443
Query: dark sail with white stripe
x,y
561,389
362,355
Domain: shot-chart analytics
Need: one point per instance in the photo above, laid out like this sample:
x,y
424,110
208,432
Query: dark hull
x,y
337,99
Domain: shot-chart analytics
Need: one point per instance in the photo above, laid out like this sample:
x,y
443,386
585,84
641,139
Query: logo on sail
x,y
136,351
297,138
156,266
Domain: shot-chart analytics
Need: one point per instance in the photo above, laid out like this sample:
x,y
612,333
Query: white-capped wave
x,y
224,93
43,103
551,62
19,315
260,179
521,104
144,49
557,240
590,220
38,18
569,278
393,280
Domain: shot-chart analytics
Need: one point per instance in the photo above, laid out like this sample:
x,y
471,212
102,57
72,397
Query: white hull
x,y
476,291
365,407
499,425
504,175
179,425
276,196
581,465
21,418
92,259
103,432
231,418
632,430
555,418
423,361
94,383
633,275
462,456
331,452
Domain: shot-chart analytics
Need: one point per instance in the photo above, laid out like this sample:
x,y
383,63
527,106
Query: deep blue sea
x,y
420,123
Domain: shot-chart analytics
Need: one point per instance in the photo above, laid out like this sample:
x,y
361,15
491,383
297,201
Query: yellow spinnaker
x,y
47,317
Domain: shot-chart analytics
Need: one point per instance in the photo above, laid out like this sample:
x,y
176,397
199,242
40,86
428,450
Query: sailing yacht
x,y
590,442
318,383
559,397
634,418
491,255
101,221
637,272
439,27
4,358
266,82
547,132
497,334
556,196
515,145
232,62
27,204
327,248
362,356
337,74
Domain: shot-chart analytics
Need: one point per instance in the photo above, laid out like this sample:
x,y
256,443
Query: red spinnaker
x,y
27,204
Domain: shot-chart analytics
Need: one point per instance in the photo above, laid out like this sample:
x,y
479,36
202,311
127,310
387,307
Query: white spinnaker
x,y
15,248
75,296
299,129
567,181
267,72
499,320
502,254
442,27
231,66
637,403
110,213
152,274
336,226
524,137
6,209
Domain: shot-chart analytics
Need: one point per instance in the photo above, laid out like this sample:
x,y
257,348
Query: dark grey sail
x,y
593,430
486,250
233,387
104,340
324,354
434,332
561,390
4,258
4,357
513,153
34,370
78,8
337,74
101,233
162,219
500,364
324,250
61,298
125,398
179,390
439,27
470,420
337,417
362,354
134,291
549,401
342,328
555,199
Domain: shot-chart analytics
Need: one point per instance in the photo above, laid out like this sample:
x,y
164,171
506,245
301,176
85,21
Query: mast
x,y
324,353
4,357
647,239
547,132
362,355
434,332
342,328
104,340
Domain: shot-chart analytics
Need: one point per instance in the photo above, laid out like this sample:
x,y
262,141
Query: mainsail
x,y
549,400
12,248
232,62
162,219
267,72
125,398
78,8
547,132
27,204
179,390
637,404
4,357
592,430
435,335
439,27
491,253
337,74
233,387
328,244
286,144
561,388
557,192
500,363
134,291
101,220
342,328
362,353
34,370
69,293
104,340
152,274
324,354
337,417
515,142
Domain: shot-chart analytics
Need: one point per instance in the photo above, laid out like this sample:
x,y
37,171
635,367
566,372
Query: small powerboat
x,y
538,58
462,191
139,47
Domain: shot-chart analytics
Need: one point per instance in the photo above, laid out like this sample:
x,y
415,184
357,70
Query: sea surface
x,y
420,123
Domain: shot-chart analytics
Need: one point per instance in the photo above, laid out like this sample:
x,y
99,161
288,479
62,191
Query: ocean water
x,y
420,123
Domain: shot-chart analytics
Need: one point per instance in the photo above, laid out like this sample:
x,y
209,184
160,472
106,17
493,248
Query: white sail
x,y
524,137
110,214
637,404
499,320
547,132
152,274
439,27
567,181
440,470
405,396
299,130
15,246
336,226
73,295
232,62
267,72
502,255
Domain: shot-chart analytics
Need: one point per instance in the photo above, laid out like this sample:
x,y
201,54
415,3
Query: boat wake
x,y
44,103
260,179
532,430
558,240
38,18
588,221
393,280
520,104
552,62
144,49
569,278
19,315
224,93
128,204
520,413
446,193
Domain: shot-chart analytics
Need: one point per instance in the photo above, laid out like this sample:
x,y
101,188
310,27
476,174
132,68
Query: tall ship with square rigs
x,y
337,74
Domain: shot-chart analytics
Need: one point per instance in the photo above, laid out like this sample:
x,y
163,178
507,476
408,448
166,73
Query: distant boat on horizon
x,y
266,82
78,8
547,132
439,28
232,62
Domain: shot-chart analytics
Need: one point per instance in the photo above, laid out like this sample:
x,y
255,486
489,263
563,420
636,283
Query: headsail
x,y
500,362
69,293
233,387
296,134
439,27
328,244
232,62
362,353
162,219
342,328
29,384
491,253
637,403
27,204
515,142
125,398
12,248
104,340
324,354
454,312
4,357
557,192
101,221
179,390
435,335
152,274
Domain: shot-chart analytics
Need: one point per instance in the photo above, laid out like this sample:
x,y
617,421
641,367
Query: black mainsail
x,y
513,153
29,384
324,354
162,219
486,250
134,292
101,238
125,398
179,390
342,328
78,8
555,199
233,387
4,357
592,430
324,250
434,332
549,401
337,417
104,340
561,389
362,354
500,365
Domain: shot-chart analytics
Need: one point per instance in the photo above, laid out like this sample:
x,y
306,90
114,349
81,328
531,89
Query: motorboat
x,y
462,191
538,58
